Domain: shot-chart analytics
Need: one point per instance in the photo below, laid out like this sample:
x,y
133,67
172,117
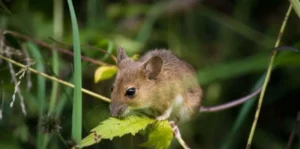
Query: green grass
x,y
58,33
77,99
42,139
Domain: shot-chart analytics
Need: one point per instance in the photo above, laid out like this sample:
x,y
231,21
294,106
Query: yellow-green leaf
x,y
296,6
135,57
160,135
104,72
114,127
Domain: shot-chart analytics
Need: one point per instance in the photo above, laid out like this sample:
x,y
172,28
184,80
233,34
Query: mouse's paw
x,y
165,115
162,117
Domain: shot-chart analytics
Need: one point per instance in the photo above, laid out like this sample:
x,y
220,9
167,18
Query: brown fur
x,y
158,77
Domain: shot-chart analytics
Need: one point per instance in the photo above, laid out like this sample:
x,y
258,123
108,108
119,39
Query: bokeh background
x,y
227,41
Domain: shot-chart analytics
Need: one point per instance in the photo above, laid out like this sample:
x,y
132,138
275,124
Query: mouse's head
x,y
134,84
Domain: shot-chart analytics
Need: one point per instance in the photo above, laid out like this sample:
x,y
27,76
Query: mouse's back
x,y
176,80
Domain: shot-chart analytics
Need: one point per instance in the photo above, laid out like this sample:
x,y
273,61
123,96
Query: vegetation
x,y
57,63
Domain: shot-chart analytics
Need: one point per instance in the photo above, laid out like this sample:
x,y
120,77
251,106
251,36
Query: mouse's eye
x,y
130,91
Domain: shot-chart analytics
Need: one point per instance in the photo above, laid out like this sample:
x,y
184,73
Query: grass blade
x,y
41,81
58,33
268,75
65,97
41,92
77,101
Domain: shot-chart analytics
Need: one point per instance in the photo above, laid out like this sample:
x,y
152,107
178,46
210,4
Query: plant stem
x,y
250,138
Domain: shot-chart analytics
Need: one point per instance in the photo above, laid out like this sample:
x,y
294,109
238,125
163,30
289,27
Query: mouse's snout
x,y
117,110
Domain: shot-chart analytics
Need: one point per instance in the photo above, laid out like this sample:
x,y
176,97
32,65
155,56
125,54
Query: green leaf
x,y
296,6
160,135
104,72
114,127
77,101
135,57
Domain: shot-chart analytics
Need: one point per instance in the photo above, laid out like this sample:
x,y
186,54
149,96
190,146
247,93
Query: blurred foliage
x,y
228,42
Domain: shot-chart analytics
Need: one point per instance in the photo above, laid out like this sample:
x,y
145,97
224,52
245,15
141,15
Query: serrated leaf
x,y
89,140
113,127
160,135
104,72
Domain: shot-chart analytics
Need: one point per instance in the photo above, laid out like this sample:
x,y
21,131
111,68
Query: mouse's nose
x,y
116,110
114,114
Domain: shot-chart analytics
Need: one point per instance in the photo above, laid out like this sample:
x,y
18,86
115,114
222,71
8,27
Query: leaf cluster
x,y
160,132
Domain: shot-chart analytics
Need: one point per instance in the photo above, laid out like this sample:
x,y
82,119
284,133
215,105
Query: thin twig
x,y
177,135
28,76
46,45
17,89
21,75
267,78
56,79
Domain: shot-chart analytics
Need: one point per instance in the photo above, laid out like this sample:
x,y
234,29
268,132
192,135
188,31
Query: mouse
x,y
160,85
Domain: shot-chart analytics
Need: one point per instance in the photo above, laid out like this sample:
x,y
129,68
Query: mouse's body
x,y
159,84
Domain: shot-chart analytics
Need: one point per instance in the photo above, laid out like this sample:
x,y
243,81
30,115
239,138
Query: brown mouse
x,y
161,86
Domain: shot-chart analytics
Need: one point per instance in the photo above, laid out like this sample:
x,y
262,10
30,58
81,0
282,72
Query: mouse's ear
x,y
153,67
121,55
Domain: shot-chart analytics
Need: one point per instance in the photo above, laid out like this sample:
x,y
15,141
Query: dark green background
x,y
227,41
